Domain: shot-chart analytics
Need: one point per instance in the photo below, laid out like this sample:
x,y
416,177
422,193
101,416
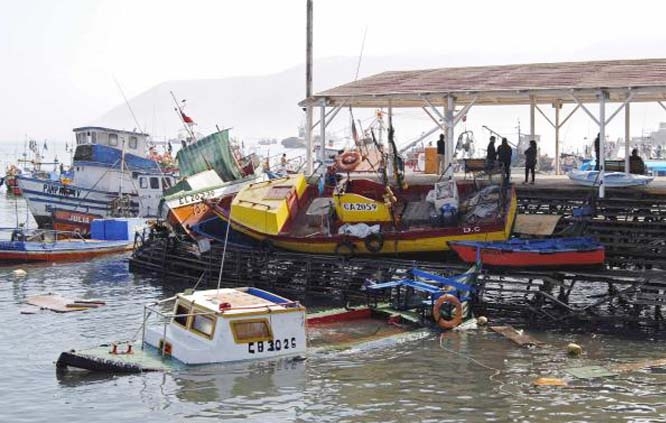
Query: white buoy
x,y
19,272
482,320
574,349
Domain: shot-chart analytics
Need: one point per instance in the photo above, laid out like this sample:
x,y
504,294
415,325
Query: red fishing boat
x,y
554,252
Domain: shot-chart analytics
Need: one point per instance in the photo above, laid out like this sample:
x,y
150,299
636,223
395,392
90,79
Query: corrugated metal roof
x,y
507,84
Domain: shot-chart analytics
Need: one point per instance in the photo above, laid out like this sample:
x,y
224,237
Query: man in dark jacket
x,y
596,152
530,160
440,153
491,154
504,156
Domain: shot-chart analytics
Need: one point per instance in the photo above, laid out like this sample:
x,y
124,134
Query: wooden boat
x,y
73,221
44,245
362,216
242,324
611,179
570,252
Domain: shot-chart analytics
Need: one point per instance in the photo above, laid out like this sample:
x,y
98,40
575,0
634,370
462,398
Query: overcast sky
x,y
58,59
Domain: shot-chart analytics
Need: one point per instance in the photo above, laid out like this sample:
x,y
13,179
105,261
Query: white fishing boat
x,y
611,179
109,177
210,326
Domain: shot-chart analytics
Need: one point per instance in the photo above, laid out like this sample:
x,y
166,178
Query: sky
x,y
64,63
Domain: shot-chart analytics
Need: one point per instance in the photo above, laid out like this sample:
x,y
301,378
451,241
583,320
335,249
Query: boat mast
x,y
308,88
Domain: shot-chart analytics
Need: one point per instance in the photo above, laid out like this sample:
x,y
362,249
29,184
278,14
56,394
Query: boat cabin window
x,y
181,314
143,183
154,183
93,137
204,325
80,138
113,140
251,330
133,143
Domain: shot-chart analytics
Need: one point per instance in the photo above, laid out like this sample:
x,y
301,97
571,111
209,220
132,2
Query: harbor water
x,y
472,376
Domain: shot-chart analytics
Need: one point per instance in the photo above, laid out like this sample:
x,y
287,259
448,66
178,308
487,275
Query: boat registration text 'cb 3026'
x,y
271,346
369,207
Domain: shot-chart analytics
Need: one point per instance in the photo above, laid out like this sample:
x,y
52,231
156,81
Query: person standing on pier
x,y
504,156
440,153
530,160
596,153
491,154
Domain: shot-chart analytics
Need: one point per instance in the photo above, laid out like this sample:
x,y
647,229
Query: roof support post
x,y
557,105
330,115
627,136
450,123
532,117
603,96
322,129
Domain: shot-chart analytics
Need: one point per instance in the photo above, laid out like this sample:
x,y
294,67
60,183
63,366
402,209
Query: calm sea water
x,y
457,377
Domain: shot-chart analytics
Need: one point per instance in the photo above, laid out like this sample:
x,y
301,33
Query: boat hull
x,y
611,179
58,251
506,257
417,241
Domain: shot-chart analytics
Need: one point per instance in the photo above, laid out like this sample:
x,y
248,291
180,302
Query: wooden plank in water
x,y
644,364
58,303
516,336
536,224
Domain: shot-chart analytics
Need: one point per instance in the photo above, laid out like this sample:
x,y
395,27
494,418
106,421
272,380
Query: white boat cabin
x,y
135,142
228,324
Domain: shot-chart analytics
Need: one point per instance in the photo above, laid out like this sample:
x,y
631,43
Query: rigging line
x,y
136,121
496,373
360,56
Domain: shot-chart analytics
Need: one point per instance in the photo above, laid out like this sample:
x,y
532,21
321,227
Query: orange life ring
x,y
456,319
349,160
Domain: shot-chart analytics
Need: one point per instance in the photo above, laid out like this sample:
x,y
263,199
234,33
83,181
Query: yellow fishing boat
x,y
362,216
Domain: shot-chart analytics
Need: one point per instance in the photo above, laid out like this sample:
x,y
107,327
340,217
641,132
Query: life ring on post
x,y
456,316
349,160
374,242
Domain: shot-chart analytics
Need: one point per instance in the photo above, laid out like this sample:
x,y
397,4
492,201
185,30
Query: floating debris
x,y
19,273
574,349
60,304
517,336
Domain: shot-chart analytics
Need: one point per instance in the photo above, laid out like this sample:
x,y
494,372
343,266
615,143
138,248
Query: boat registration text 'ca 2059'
x,y
271,346
369,207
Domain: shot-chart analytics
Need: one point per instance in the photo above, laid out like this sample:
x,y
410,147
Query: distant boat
x,y
611,179
520,253
107,236
293,142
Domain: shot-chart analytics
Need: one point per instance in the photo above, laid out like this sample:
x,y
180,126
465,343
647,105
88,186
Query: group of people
x,y
503,155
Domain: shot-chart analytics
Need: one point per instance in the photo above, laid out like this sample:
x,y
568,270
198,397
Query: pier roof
x,y
566,82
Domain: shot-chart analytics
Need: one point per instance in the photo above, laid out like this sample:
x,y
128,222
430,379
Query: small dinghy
x,y
611,179
554,252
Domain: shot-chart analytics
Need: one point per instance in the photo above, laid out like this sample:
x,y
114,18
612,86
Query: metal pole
x,y
308,87
627,136
448,153
532,117
557,106
389,169
602,142
322,127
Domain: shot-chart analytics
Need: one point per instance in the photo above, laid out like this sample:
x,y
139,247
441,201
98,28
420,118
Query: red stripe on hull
x,y
31,257
346,315
493,257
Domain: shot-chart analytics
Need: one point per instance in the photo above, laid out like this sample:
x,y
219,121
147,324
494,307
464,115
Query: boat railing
x,y
41,235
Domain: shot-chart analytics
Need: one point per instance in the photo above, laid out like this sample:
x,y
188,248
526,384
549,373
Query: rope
x,y
496,372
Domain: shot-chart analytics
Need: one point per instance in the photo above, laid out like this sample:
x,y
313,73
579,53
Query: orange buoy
x,y
456,317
